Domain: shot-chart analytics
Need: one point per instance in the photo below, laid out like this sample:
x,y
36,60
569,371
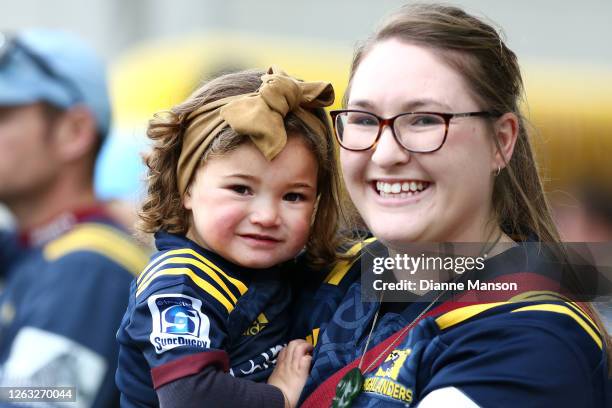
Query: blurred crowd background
x,y
159,51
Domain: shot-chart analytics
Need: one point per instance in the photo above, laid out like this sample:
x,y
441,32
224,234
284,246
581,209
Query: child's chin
x,y
259,263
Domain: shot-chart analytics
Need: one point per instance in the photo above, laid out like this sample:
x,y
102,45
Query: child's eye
x,y
294,197
240,189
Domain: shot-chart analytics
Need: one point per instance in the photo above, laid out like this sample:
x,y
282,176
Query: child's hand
x,y
291,371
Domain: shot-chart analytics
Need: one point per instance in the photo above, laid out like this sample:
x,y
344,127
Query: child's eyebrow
x,y
301,185
244,176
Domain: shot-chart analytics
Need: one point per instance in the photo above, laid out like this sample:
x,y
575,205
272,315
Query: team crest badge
x,y
390,368
178,322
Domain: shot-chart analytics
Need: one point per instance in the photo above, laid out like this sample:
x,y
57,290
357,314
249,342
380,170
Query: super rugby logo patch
x,y
177,321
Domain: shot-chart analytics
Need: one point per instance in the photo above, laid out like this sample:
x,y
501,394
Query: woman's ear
x,y
506,132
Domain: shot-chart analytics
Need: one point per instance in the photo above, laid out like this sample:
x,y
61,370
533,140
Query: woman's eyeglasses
x,y
418,132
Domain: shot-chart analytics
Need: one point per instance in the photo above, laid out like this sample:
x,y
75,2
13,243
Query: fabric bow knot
x,y
260,115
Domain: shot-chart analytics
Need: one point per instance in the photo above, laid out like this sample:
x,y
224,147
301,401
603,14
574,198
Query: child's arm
x,y
291,371
214,388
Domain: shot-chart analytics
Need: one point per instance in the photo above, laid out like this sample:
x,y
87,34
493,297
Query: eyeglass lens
x,y
418,132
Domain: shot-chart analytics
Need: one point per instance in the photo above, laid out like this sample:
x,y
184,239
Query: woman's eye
x,y
426,120
294,197
240,189
362,120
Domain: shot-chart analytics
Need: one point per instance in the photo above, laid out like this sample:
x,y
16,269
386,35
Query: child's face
x,y
253,212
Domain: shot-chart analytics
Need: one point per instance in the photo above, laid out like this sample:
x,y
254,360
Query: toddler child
x,y
242,178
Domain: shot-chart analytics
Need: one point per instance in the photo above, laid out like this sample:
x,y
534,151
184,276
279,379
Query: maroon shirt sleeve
x,y
213,388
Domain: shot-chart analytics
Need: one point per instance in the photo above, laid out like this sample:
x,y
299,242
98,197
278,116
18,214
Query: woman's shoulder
x,y
347,270
527,327
551,347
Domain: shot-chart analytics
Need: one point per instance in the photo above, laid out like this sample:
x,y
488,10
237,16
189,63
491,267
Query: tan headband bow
x,y
259,115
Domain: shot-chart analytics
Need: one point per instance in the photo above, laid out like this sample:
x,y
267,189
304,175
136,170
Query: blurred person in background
x,y
589,220
66,270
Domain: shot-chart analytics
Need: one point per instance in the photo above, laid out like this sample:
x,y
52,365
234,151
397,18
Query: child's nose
x,y
266,216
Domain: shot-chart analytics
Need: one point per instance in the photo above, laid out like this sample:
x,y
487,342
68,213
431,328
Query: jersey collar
x,y
58,225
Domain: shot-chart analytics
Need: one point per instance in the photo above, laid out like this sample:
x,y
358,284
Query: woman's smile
x,y
397,192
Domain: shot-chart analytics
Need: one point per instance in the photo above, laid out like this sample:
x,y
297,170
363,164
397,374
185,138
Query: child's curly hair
x,y
163,206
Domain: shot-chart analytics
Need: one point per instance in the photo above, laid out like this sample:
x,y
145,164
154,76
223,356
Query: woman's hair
x,y
476,51
163,206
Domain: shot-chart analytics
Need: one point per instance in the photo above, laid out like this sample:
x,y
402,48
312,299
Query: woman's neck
x,y
492,243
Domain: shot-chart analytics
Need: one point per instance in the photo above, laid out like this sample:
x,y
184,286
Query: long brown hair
x,y
163,206
477,52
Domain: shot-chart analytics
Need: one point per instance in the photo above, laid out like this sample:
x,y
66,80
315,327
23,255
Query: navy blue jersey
x,y
60,307
535,349
320,293
190,309
9,250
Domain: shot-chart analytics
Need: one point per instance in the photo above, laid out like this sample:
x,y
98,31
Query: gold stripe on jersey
x,y
462,314
102,239
585,316
202,283
314,337
154,262
187,251
149,266
548,295
341,269
186,261
562,309
538,295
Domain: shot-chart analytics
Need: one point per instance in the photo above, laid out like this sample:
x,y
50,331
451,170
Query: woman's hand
x,y
291,371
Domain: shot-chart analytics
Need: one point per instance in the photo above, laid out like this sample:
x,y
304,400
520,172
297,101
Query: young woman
x,y
435,150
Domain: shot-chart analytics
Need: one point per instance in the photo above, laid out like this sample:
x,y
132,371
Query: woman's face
x,y
456,181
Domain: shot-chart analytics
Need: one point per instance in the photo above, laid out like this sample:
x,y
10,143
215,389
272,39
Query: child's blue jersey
x,y
190,309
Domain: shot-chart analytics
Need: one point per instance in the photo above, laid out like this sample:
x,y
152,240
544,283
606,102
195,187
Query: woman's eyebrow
x,y
409,106
425,103
361,103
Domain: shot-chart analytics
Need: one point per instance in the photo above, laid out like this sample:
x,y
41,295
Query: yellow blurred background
x,y
568,107
159,51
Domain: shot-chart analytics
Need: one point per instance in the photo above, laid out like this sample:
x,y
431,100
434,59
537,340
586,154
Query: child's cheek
x,y
300,231
226,219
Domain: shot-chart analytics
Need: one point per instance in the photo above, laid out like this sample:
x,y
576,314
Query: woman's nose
x,y
388,152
